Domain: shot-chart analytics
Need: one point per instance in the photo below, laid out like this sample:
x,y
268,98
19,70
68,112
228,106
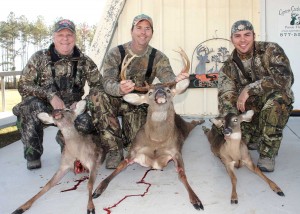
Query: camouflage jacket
x,y
47,74
270,71
136,71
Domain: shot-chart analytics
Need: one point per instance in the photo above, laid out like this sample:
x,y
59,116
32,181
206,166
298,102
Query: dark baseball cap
x,y
64,24
241,25
141,17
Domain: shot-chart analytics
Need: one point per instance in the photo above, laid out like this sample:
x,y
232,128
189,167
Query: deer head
x,y
61,115
158,93
231,123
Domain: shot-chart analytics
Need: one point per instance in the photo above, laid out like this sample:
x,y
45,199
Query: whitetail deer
x,y
78,147
232,150
161,138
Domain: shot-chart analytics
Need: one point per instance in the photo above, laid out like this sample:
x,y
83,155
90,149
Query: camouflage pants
x,y
105,111
32,129
271,115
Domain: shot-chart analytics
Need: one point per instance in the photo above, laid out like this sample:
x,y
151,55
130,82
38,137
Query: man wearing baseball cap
x,y
64,24
53,78
257,76
142,17
148,64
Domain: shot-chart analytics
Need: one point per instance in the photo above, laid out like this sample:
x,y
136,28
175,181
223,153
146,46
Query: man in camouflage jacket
x,y
257,76
106,107
53,78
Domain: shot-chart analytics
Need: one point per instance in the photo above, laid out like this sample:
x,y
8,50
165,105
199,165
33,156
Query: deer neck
x,y
68,130
233,144
160,124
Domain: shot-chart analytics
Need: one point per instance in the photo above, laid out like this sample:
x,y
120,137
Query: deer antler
x,y
143,88
146,87
186,60
186,68
125,64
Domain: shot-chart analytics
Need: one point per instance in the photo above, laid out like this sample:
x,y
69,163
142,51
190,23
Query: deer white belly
x,y
154,158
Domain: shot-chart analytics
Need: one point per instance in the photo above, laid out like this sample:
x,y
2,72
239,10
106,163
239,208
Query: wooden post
x,y
3,74
105,30
3,92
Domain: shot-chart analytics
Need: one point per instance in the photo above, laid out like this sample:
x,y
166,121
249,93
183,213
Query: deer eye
x,y
149,93
168,90
235,120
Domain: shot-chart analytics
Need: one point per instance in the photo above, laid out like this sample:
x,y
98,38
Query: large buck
x,y
81,151
161,138
232,150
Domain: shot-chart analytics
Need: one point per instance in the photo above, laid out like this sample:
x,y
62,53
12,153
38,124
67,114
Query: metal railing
x,y
4,74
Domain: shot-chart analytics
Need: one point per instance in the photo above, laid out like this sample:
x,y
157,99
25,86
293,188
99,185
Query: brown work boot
x,y
252,146
266,164
113,158
34,164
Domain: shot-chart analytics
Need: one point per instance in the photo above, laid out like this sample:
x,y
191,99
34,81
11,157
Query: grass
x,y
10,134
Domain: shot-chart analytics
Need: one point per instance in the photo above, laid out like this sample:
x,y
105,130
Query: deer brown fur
x,y
161,138
78,147
232,150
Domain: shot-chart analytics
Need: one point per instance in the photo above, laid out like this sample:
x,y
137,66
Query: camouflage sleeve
x,y
93,76
111,80
163,69
227,92
28,83
278,65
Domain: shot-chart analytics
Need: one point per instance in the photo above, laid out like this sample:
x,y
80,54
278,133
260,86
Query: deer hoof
x,y
234,201
18,211
92,211
198,206
280,193
95,195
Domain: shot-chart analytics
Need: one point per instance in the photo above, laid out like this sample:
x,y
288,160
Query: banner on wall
x,y
289,21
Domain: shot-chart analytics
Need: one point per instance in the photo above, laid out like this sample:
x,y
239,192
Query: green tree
x,y
39,34
84,35
9,33
24,27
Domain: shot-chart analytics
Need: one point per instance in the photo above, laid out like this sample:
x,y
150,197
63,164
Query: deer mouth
x,y
160,97
57,113
160,100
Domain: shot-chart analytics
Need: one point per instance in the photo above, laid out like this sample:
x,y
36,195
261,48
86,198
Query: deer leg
x,y
103,185
182,177
53,181
230,171
92,178
249,163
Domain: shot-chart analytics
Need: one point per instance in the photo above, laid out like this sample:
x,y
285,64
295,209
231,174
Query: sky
x,y
79,11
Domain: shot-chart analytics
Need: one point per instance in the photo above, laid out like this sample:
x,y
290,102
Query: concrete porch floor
x,y
206,175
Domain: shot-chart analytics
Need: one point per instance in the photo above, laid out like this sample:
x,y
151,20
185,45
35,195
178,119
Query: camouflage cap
x,y
141,17
240,26
64,24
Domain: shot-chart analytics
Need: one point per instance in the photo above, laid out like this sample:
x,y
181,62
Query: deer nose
x,y
160,92
160,96
227,131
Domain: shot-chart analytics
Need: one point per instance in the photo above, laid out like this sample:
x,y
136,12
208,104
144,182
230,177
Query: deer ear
x,y
135,99
80,107
181,86
218,122
45,118
247,116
